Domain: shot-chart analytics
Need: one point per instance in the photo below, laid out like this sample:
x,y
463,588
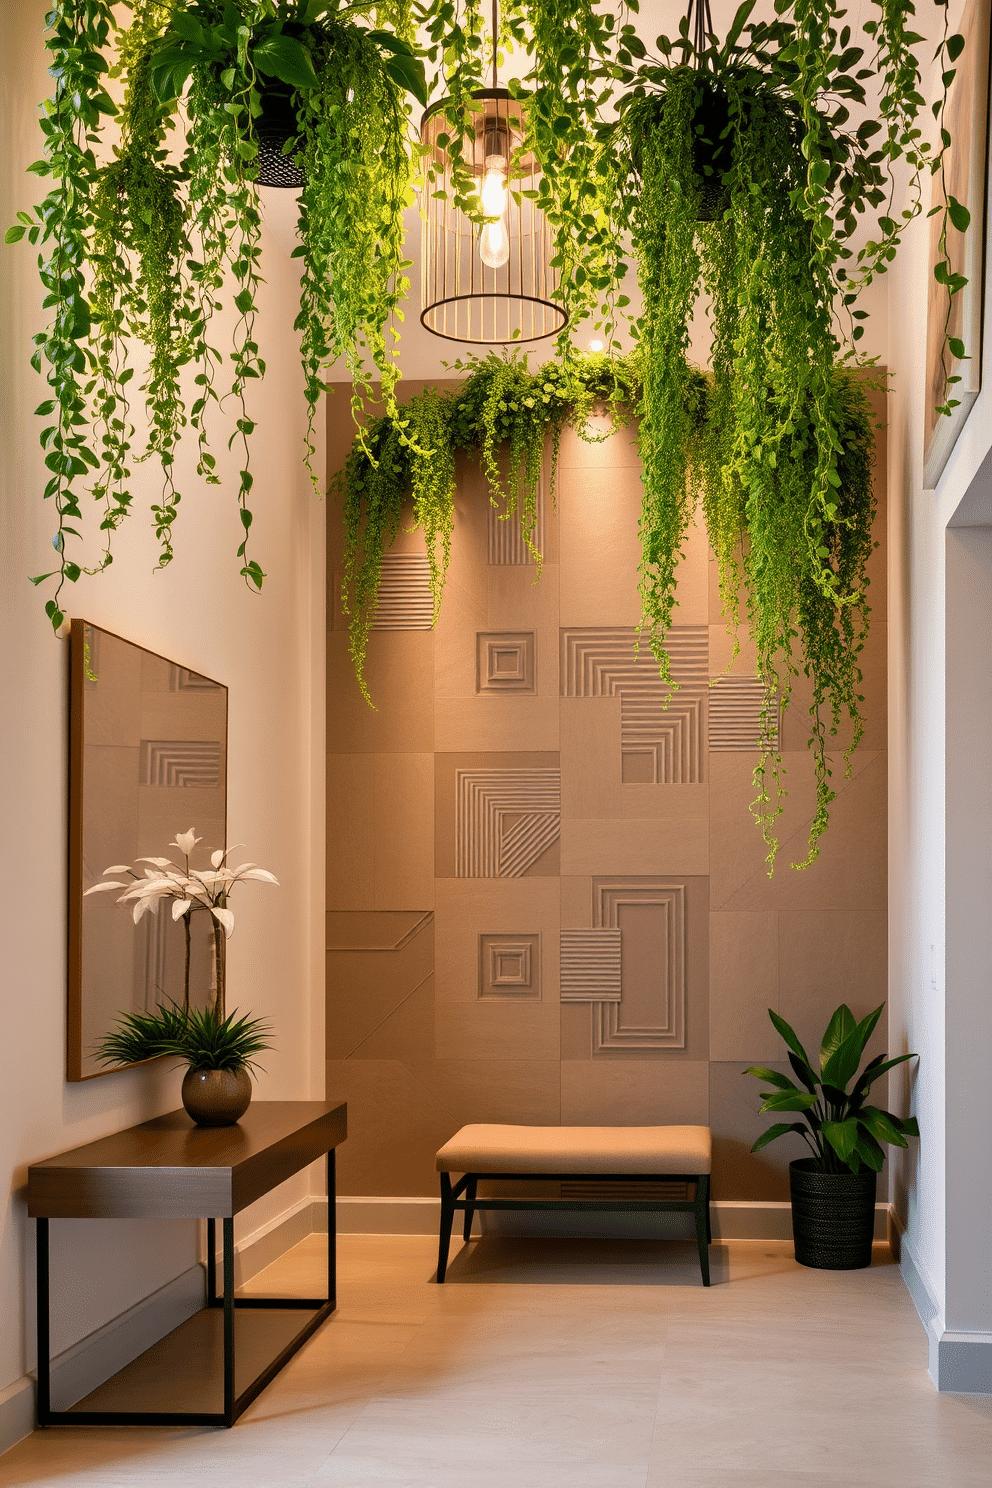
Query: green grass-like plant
x,y
197,1037
843,1132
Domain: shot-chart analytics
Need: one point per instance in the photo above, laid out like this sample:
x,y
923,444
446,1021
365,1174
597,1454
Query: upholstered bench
x,y
590,1153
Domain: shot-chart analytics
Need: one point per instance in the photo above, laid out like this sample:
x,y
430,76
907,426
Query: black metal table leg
x,y
229,1395
44,1325
332,1233
211,1262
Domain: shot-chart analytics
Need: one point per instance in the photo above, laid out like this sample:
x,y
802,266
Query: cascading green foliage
x,y
357,165
780,418
148,247
502,415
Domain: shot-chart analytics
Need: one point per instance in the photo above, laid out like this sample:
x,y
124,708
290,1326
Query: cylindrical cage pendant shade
x,y
492,284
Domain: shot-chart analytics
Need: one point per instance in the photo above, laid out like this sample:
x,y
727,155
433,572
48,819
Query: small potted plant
x,y
833,1192
218,1048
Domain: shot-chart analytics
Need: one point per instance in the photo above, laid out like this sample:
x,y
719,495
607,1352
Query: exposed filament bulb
x,y
494,241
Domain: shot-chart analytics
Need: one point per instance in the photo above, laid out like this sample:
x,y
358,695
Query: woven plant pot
x,y
273,128
833,1216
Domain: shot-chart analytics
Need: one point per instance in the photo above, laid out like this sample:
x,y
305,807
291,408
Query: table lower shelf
x,y
183,1374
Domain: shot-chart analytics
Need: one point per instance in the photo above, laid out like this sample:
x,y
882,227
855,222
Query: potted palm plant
x,y
833,1191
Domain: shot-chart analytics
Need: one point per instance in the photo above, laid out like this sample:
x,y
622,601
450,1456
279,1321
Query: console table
x,y
169,1168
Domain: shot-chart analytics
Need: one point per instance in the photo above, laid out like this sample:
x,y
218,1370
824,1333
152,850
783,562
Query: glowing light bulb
x,y
595,345
494,245
493,193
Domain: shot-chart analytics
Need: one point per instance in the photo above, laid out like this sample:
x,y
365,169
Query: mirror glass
x,y
148,759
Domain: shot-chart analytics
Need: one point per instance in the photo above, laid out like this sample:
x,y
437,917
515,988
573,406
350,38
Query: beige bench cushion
x,y
577,1149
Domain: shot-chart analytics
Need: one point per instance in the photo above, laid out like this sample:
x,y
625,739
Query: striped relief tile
x,y
735,709
590,965
662,732
405,600
504,820
505,540
180,762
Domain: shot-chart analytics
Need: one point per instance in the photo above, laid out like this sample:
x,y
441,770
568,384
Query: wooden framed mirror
x,y
147,759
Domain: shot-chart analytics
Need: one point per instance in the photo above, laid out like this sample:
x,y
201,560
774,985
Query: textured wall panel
x,y
504,820
651,1011
590,965
405,599
183,762
181,679
505,541
735,714
505,661
510,966
660,745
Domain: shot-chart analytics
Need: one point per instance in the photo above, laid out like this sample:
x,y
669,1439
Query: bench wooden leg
x,y
471,1189
447,1216
702,1214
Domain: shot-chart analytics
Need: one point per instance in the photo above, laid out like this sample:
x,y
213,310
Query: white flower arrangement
x,y
190,889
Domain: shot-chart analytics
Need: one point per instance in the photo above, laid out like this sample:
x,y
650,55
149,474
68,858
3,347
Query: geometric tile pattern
x,y
181,762
660,744
510,966
504,539
504,820
651,1013
590,965
505,661
405,600
735,714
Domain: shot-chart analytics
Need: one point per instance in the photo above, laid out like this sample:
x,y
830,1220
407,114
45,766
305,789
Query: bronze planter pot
x,y
216,1097
833,1216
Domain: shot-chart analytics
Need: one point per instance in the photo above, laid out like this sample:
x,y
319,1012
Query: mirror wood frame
x,y
76,1055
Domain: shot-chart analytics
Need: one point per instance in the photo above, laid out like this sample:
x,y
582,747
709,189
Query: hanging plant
x,y
502,415
145,247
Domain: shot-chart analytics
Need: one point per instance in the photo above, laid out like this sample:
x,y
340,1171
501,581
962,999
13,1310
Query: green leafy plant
x,y
145,247
843,1132
503,415
198,1037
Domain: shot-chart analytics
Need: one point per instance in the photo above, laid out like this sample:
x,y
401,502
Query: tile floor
x,y
575,1364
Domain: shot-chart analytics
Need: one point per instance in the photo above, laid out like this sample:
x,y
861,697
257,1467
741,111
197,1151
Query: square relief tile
x,y
506,661
510,966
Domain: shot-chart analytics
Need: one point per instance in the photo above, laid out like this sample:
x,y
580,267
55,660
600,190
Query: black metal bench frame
x,y
468,1184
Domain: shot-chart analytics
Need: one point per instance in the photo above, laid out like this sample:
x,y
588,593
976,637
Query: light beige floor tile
x,y
344,1470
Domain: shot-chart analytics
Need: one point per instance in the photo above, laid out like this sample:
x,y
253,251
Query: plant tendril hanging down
x,y
760,541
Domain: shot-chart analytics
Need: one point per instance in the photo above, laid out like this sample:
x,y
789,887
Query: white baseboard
x,y
960,1363
86,1364
731,1220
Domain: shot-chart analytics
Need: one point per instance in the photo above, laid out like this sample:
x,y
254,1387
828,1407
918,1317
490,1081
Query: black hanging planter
x,y
711,153
833,1216
274,128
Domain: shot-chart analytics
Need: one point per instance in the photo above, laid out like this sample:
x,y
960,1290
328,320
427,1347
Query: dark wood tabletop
x,y
169,1168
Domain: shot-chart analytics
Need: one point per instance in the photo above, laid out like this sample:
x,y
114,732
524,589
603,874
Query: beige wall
x,y
269,652
473,913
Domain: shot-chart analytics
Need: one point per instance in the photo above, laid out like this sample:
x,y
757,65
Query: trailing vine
x,y
503,415
758,524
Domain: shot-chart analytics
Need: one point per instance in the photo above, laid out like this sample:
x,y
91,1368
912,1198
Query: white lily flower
x,y
225,918
179,908
186,841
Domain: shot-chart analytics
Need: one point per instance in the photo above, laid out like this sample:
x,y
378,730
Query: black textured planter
x,y
273,128
833,1216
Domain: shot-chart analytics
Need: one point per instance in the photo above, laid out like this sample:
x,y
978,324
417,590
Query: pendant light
x,y
491,284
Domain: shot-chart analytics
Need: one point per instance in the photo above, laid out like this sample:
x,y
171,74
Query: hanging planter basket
x,y
274,128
